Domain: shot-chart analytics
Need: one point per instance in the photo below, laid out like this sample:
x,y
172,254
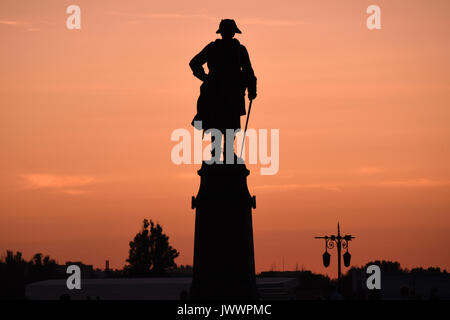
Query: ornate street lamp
x,y
340,242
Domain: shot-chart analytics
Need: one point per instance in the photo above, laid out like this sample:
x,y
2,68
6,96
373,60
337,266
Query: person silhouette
x,y
222,94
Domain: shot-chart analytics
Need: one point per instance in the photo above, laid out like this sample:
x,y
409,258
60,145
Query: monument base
x,y
224,262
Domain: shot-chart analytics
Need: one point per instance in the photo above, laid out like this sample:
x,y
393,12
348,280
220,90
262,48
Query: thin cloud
x,y
338,187
283,187
66,184
370,171
23,24
11,22
47,23
270,22
154,15
171,15
75,192
415,183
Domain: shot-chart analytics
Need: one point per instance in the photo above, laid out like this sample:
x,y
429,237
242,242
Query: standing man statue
x,y
224,265
222,93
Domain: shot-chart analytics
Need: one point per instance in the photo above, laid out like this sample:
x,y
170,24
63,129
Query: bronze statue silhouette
x,y
224,261
222,94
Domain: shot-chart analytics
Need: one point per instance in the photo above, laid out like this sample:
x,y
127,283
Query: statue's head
x,y
228,28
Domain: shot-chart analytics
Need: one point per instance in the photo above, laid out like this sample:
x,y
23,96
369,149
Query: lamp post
x,y
340,242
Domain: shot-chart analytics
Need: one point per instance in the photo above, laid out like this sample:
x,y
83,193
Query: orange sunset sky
x,y
86,117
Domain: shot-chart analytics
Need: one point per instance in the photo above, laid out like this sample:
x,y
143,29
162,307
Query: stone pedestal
x,y
224,262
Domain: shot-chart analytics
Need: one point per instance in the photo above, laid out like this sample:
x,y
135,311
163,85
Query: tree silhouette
x,y
387,266
42,267
150,252
12,276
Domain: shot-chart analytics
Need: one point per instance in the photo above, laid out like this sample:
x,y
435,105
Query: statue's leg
x,y
218,143
229,149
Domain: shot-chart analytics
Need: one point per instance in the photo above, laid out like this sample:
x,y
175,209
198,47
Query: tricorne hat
x,y
229,24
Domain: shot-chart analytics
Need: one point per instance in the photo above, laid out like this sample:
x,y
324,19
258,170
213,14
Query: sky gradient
x,y
86,117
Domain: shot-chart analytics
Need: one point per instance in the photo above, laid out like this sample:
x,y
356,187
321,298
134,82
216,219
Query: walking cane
x,y
246,124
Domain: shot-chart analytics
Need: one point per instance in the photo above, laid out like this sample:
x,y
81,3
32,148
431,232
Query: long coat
x,y
222,93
